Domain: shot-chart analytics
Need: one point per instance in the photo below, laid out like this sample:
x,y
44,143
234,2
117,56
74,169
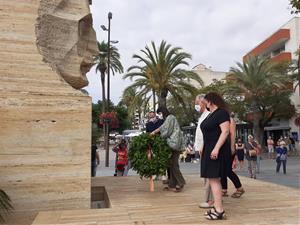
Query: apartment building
x,y
207,74
282,45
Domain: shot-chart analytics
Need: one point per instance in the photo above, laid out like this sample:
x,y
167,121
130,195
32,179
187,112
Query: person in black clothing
x,y
230,173
153,122
95,159
215,160
240,152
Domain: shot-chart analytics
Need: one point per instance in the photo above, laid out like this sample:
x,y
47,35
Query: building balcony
x,y
276,39
283,56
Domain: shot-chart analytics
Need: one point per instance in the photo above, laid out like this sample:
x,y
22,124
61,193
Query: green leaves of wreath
x,y
139,159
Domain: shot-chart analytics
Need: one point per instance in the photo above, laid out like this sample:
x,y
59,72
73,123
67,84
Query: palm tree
x,y
297,72
101,61
256,79
135,102
5,205
161,73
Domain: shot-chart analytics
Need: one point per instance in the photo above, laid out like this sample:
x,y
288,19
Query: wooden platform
x,y
132,203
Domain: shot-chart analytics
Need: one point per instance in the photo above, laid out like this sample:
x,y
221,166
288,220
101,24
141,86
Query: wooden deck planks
x,y
132,203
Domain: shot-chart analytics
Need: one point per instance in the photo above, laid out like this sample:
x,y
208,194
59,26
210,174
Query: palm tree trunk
x,y
258,131
103,92
154,100
162,98
162,102
299,71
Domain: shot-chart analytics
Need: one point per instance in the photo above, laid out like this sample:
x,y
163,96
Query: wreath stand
x,y
151,182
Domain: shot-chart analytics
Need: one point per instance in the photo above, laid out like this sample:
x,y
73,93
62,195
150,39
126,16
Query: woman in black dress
x,y
240,152
215,161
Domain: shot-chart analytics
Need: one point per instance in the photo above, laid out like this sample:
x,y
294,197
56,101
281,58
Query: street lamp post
x,y
108,61
106,138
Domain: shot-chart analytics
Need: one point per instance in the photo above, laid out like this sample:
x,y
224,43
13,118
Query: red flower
x,y
110,118
297,121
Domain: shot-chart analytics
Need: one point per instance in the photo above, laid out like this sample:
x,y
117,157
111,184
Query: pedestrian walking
x,y
258,153
281,157
251,156
230,173
240,152
121,157
170,130
200,106
270,144
293,145
288,143
215,161
95,159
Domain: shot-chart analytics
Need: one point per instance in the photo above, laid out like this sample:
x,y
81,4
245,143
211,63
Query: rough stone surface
x,y
45,124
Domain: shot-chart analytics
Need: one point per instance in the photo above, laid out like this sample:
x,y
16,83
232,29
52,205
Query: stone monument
x,y
47,47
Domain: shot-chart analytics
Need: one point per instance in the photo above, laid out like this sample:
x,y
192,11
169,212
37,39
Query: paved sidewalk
x,y
267,173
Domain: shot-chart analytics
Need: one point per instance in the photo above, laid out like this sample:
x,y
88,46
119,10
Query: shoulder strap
x,y
251,145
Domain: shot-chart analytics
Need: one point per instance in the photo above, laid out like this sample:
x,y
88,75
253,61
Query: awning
x,y
277,128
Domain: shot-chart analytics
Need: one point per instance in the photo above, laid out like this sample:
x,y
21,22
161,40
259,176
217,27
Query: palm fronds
x,y
5,205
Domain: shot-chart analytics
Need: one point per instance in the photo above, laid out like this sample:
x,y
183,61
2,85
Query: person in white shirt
x,y
200,106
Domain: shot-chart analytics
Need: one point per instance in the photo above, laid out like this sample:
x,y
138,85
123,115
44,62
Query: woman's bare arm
x,y
224,134
232,131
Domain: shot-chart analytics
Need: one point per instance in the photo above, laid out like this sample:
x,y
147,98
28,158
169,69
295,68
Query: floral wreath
x,y
149,155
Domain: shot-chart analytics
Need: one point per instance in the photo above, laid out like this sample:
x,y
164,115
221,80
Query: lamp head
x,y
104,28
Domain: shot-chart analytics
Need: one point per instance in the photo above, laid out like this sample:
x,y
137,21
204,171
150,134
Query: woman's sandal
x,y
213,214
212,210
238,193
224,193
178,189
172,189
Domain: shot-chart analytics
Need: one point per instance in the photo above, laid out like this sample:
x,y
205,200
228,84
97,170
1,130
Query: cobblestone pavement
x,y
267,170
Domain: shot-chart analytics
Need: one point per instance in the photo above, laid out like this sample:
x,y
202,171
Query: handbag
x,y
252,152
283,157
278,159
176,142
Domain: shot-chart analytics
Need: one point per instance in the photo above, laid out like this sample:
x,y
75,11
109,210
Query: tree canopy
x,y
160,72
260,90
295,6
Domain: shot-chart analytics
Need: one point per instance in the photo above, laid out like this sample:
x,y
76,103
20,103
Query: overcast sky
x,y
216,32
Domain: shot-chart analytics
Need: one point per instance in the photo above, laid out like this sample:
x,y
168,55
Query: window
x,y
278,50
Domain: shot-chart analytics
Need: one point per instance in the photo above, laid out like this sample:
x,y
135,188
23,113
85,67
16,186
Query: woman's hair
x,y
165,112
216,99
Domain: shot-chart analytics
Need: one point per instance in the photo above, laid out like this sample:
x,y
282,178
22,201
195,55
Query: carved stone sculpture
x,y
45,129
66,39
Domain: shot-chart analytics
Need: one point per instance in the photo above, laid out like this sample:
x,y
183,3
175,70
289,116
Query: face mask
x,y
160,116
152,119
197,108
